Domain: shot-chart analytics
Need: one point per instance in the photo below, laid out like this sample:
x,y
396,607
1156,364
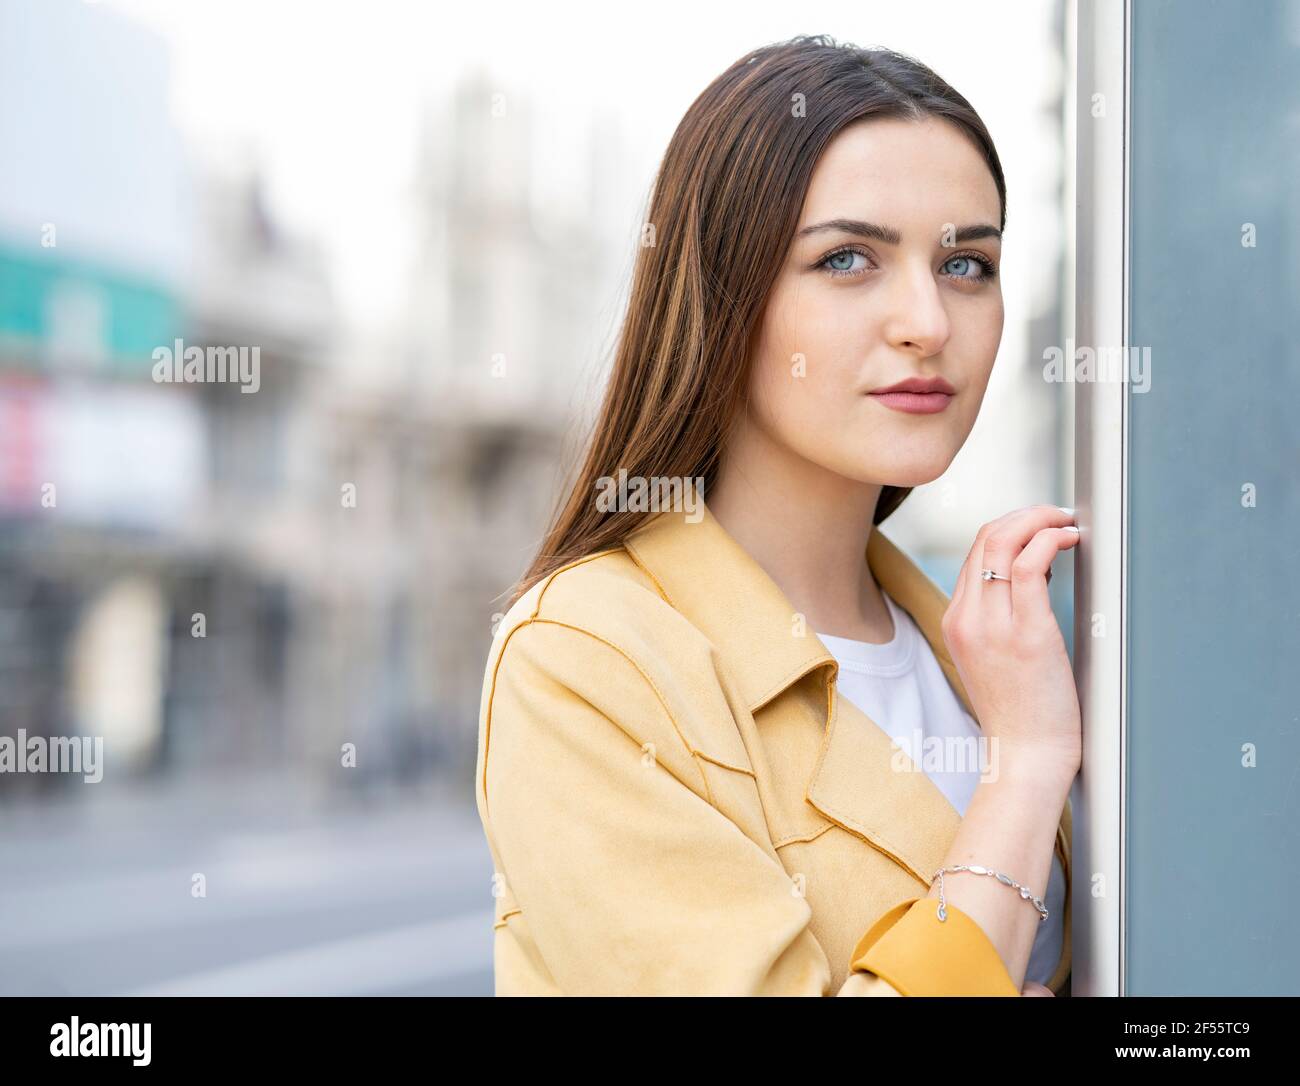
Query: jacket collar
x,y
714,582
708,577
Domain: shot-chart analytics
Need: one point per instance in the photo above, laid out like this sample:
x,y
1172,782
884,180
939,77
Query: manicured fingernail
x,y
1067,511
1070,528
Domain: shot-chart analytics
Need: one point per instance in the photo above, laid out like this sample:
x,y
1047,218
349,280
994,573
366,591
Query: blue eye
x,y
968,262
840,262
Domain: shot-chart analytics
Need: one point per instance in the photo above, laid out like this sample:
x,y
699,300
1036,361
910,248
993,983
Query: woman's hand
x,y
1032,988
1007,646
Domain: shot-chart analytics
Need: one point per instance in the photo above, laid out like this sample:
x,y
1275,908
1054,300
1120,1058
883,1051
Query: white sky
x,y
329,93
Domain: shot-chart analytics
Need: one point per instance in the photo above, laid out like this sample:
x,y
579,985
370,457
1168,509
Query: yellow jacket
x,y
678,802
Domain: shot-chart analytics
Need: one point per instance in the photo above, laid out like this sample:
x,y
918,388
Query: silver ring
x,y
989,575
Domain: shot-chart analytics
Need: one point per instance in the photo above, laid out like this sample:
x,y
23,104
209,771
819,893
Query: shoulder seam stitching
x,y
487,738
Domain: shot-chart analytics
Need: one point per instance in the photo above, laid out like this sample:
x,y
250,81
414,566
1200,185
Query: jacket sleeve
x,y
910,949
631,882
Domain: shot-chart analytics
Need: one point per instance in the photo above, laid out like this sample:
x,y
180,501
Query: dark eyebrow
x,y
889,235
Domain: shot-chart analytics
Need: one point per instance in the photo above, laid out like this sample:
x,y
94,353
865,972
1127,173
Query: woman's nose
x,y
918,320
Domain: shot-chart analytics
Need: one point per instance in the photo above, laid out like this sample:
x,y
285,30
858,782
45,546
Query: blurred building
x,y
150,533
207,577
97,462
498,376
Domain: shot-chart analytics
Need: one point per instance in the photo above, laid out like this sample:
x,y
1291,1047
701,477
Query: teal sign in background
x,y
138,315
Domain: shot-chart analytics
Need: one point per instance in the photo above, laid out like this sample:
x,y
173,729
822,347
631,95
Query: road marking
x,y
378,961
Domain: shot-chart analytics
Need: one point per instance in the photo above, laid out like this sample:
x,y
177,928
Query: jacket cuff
x,y
920,955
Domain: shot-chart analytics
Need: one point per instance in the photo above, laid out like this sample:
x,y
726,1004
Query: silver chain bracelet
x,y
1006,880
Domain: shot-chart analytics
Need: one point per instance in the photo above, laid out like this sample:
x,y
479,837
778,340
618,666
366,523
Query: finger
x,y
1008,537
971,572
1033,988
1030,569
972,582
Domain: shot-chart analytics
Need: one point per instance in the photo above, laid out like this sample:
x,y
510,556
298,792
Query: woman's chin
x,y
906,475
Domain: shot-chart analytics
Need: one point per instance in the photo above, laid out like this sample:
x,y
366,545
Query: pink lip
x,y
914,403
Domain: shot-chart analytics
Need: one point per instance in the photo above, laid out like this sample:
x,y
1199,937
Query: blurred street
x,y
306,894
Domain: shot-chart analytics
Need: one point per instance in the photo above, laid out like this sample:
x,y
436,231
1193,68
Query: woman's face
x,y
884,281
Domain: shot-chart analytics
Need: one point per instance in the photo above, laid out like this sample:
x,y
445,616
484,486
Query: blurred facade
x,y
207,577
158,585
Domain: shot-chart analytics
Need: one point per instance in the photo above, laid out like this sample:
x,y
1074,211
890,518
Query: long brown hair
x,y
723,209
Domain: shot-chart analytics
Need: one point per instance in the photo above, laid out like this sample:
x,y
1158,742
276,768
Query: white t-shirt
x,y
902,688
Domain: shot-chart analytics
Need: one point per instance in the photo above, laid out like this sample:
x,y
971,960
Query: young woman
x,y
694,771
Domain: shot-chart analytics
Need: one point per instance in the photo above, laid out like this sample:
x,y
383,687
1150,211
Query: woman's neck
x,y
808,528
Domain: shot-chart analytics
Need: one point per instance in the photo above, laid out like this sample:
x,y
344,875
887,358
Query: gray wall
x,y
1214,589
